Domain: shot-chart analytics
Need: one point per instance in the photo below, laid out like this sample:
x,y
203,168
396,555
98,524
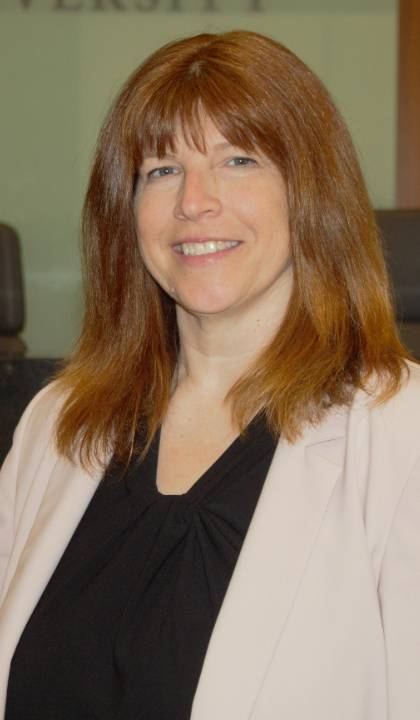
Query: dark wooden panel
x,y
408,173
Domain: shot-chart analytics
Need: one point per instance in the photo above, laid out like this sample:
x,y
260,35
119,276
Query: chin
x,y
205,306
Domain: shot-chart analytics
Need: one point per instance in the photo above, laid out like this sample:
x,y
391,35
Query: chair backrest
x,y
400,231
11,283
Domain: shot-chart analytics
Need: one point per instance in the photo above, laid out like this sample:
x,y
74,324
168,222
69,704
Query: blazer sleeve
x,y
18,469
8,481
399,593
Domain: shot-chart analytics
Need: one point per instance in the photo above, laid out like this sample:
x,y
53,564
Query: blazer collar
x,y
269,570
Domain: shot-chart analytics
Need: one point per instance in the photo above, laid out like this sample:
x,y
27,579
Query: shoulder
x,y
38,421
398,417
45,404
388,432
383,437
407,399
34,432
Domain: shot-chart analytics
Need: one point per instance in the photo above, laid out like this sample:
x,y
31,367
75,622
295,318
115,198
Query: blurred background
x,y
63,61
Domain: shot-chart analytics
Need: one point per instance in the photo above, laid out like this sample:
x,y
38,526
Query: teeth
x,y
205,248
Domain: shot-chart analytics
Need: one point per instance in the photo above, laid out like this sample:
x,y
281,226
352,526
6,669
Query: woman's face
x,y
213,228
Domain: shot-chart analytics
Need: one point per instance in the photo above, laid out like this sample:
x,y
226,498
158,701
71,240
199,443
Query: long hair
x,y
339,329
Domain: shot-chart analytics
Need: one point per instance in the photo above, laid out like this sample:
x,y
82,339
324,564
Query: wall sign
x,y
140,5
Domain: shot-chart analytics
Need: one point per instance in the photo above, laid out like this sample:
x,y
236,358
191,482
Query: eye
x,y
242,161
161,172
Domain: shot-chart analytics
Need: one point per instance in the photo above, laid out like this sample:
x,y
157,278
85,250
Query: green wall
x,y
60,69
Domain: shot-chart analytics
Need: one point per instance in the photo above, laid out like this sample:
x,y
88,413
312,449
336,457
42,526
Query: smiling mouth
x,y
205,248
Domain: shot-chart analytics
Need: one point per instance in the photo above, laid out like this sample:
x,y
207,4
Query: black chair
x,y
400,232
20,377
11,294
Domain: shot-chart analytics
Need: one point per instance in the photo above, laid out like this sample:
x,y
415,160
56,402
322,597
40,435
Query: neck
x,y
217,349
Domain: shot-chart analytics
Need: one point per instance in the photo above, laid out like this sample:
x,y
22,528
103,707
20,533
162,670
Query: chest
x,y
189,444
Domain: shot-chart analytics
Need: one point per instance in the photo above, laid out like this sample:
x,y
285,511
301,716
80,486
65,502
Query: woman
x,y
214,510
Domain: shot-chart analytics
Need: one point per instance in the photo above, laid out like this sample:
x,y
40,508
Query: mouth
x,y
205,247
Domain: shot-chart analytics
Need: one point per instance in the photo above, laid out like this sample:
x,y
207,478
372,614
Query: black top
x,y
122,628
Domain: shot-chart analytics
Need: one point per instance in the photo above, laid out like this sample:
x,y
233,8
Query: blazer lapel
x,y
269,570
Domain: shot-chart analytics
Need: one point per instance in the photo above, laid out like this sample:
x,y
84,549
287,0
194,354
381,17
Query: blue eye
x,y
161,172
242,161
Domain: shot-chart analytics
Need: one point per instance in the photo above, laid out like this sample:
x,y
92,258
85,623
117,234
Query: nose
x,y
198,196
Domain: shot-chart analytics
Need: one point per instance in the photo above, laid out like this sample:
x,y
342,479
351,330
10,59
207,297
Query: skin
x,y
229,304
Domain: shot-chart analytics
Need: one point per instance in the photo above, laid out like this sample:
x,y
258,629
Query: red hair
x,y
339,329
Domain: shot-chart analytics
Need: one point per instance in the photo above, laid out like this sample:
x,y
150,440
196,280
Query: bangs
x,y
183,103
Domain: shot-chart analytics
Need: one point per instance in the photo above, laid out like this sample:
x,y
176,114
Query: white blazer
x,y
321,620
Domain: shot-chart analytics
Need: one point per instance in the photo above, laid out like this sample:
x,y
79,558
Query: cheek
x,y
153,221
264,205
152,249
141,220
147,231
150,256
